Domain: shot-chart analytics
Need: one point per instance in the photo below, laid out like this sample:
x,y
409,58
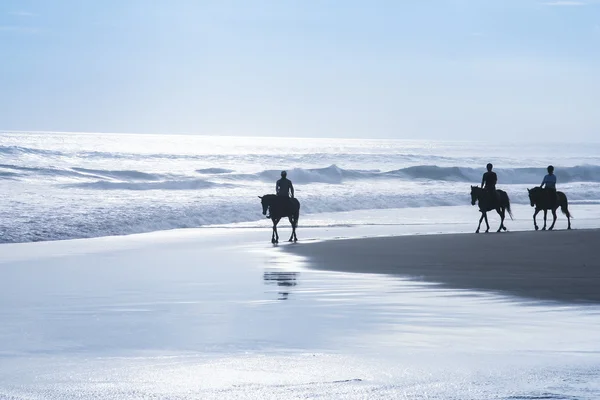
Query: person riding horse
x,y
488,182
284,189
284,186
280,205
550,183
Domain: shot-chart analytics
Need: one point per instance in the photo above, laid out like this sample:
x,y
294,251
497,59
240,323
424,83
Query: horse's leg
x,y
292,223
275,237
295,226
545,216
535,225
553,219
479,226
487,225
500,212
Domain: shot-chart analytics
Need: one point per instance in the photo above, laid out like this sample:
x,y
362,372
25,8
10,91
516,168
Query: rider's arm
x,y
277,187
482,180
543,182
292,189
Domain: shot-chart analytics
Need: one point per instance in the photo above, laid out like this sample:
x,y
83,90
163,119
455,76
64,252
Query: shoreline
x,y
546,265
370,222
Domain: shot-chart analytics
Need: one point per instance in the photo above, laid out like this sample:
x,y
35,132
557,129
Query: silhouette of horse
x,y
501,205
278,208
540,199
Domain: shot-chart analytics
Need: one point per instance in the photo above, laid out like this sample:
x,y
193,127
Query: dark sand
x,y
559,265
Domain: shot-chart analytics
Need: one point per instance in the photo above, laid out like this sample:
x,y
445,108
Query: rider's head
x,y
489,166
550,169
283,174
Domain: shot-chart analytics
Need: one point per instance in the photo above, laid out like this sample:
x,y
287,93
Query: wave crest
x,y
121,174
334,174
192,184
214,171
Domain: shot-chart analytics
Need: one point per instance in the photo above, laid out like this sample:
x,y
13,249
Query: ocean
x,y
72,185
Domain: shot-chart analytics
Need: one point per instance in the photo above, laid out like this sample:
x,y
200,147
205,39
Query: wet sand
x,y
559,265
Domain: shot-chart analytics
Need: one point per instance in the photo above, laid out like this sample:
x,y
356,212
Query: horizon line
x,y
3,131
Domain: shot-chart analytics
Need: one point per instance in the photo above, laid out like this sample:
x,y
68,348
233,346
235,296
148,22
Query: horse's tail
x,y
508,206
564,205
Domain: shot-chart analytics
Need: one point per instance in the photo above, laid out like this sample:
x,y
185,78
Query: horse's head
x,y
533,195
266,201
265,204
474,194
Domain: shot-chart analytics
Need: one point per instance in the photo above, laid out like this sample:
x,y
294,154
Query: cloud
x,y
565,3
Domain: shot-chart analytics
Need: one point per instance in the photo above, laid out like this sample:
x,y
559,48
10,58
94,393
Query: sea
x,y
58,186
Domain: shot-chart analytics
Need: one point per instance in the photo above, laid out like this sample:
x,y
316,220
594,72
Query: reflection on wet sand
x,y
283,279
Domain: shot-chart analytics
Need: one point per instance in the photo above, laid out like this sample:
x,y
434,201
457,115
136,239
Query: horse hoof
x,y
550,229
504,228
477,231
569,228
296,240
537,227
487,231
544,228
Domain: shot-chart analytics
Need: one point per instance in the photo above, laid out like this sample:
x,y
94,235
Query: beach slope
x,y
559,265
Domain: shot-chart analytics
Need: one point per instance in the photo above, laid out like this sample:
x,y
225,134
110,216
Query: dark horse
x,y
280,207
540,199
486,204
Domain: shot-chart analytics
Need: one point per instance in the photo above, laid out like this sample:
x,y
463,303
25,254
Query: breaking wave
x,y
334,174
124,175
22,171
214,171
18,150
191,184
130,179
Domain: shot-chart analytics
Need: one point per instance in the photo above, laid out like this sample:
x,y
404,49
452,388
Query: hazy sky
x,y
454,69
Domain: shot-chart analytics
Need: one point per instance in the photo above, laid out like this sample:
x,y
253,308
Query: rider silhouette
x,y
550,182
488,182
284,190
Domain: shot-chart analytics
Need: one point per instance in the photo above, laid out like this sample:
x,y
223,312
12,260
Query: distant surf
x,y
331,174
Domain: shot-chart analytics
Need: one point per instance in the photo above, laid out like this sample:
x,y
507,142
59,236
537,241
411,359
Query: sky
x,y
406,69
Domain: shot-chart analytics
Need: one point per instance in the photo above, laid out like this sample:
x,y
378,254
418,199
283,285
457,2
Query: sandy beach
x,y
560,265
222,313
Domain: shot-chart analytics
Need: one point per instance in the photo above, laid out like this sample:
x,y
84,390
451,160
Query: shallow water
x,y
222,315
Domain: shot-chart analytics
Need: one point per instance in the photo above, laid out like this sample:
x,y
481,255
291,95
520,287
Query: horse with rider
x,y
282,204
